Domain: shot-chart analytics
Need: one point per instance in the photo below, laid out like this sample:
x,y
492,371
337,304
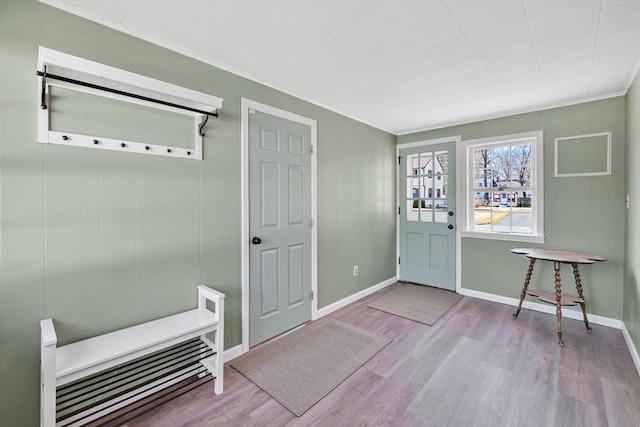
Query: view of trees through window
x,y
502,188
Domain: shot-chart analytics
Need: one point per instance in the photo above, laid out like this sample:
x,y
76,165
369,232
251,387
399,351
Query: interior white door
x,y
279,225
427,215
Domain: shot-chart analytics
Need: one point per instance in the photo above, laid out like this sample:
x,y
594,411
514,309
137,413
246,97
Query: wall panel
x,y
631,291
581,213
102,240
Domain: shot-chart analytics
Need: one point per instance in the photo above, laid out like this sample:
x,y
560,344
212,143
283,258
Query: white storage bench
x,y
82,359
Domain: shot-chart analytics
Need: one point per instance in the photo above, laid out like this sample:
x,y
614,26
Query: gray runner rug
x,y
301,368
419,303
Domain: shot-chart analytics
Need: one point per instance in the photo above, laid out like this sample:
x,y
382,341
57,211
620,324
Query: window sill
x,y
528,238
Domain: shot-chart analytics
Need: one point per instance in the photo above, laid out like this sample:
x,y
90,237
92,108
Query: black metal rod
x,y
123,93
145,405
119,381
127,384
195,370
132,365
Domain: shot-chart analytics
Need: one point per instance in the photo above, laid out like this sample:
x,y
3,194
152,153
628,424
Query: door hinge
x,y
399,159
398,210
311,296
398,260
311,149
310,222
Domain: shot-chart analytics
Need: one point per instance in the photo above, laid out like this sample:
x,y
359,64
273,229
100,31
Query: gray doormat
x,y
419,303
301,368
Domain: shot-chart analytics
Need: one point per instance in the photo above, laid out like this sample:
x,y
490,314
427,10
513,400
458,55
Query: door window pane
x,y
426,210
425,163
413,187
413,212
427,183
441,211
413,164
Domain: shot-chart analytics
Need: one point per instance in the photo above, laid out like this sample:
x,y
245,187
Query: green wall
x,y
100,240
581,213
631,292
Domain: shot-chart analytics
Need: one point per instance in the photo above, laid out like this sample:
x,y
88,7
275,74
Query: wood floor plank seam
x,y
476,366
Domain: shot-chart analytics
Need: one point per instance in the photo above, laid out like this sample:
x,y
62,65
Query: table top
x,y
559,256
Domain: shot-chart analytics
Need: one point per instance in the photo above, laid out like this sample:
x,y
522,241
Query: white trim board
x,y
543,308
245,106
453,138
504,115
632,348
355,297
232,353
556,143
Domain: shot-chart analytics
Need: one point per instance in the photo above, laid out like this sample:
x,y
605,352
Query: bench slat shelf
x,y
69,363
93,355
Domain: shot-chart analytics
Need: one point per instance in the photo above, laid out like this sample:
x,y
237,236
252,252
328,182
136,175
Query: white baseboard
x,y
632,348
355,297
232,353
544,308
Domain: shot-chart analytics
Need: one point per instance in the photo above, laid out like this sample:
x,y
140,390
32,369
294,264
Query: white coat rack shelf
x,y
81,75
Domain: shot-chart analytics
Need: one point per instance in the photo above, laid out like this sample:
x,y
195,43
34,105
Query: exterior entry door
x,y
427,215
279,225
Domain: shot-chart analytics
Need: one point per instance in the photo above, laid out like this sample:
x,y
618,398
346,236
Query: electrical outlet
x,y
355,270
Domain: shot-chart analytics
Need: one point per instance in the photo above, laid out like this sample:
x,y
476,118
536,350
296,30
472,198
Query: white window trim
x,y
465,180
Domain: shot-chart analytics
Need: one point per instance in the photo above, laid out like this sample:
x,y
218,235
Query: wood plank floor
x,y
476,366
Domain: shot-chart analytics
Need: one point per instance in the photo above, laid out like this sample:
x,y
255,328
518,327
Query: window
x,y
421,205
504,187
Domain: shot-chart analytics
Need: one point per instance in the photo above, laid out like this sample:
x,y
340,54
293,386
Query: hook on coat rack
x,y
204,122
81,76
43,104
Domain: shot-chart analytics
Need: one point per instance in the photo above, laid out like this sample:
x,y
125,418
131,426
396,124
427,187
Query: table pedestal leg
x,y
527,278
583,305
556,268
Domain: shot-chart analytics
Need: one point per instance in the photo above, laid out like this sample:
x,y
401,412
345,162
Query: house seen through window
x,y
426,171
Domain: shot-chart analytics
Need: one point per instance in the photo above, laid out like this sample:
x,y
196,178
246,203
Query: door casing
x,y
245,106
457,141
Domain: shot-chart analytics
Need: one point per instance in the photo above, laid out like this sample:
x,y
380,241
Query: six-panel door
x,y
279,224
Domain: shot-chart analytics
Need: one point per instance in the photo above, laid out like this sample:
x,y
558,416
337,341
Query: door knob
x,y
450,226
256,240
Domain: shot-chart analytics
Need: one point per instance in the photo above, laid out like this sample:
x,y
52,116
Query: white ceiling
x,y
401,65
